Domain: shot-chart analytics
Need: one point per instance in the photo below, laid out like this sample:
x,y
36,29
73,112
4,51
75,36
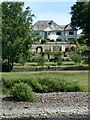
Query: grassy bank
x,y
48,81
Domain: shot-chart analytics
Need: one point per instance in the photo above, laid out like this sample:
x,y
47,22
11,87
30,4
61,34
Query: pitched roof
x,y
68,27
42,25
50,24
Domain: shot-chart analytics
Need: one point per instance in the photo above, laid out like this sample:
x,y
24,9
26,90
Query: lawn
x,y
52,64
80,76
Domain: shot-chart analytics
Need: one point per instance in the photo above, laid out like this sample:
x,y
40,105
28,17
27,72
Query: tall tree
x,y
16,31
80,12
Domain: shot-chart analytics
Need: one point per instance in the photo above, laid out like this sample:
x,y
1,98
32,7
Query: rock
x,y
48,105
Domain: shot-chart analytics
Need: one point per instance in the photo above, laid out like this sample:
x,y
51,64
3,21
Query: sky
x,y
59,12
56,11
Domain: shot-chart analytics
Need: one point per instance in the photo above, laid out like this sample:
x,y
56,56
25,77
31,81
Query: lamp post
x,y
9,63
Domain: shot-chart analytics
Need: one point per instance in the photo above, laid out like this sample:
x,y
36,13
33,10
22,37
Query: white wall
x,y
53,36
67,36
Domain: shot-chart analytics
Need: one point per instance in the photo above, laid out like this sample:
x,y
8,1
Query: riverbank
x,y
48,105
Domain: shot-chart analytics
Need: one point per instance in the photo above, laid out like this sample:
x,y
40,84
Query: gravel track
x,y
48,105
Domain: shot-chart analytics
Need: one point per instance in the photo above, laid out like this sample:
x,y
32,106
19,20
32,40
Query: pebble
x,y
61,104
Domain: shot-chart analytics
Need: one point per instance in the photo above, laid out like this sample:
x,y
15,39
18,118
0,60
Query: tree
x,y
57,55
48,52
16,31
75,57
80,12
22,60
40,61
60,61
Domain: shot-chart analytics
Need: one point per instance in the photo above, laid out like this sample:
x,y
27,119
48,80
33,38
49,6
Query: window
x,y
58,33
71,33
71,38
49,33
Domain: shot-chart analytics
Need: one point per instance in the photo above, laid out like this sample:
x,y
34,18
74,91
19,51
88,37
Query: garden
x,y
46,72
51,67
18,83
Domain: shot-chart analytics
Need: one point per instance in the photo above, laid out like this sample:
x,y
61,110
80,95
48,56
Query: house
x,y
52,31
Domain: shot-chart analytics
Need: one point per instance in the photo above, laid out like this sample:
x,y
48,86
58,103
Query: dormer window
x,y
50,23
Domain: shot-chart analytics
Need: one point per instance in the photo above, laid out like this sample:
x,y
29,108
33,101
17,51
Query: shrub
x,y
5,66
57,55
40,61
22,92
33,59
73,87
73,48
71,42
52,40
59,61
22,59
75,57
43,41
49,84
43,83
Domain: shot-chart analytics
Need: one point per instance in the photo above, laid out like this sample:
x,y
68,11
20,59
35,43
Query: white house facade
x,y
52,31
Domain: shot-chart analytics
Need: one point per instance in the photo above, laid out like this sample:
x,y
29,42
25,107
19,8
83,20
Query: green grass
x,y
0,84
80,76
52,64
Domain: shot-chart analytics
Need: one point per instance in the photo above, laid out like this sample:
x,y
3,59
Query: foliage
x,y
16,31
73,48
43,41
33,59
82,40
75,57
48,52
56,56
22,59
71,42
60,61
22,92
80,12
48,82
40,60
5,66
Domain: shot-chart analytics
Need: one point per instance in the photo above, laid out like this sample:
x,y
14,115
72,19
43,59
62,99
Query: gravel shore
x,y
48,105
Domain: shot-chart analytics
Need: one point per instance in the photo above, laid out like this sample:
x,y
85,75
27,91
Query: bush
x,y
40,61
72,48
22,92
52,40
42,84
71,42
33,59
49,85
75,57
6,67
22,60
59,61
81,40
57,55
43,41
